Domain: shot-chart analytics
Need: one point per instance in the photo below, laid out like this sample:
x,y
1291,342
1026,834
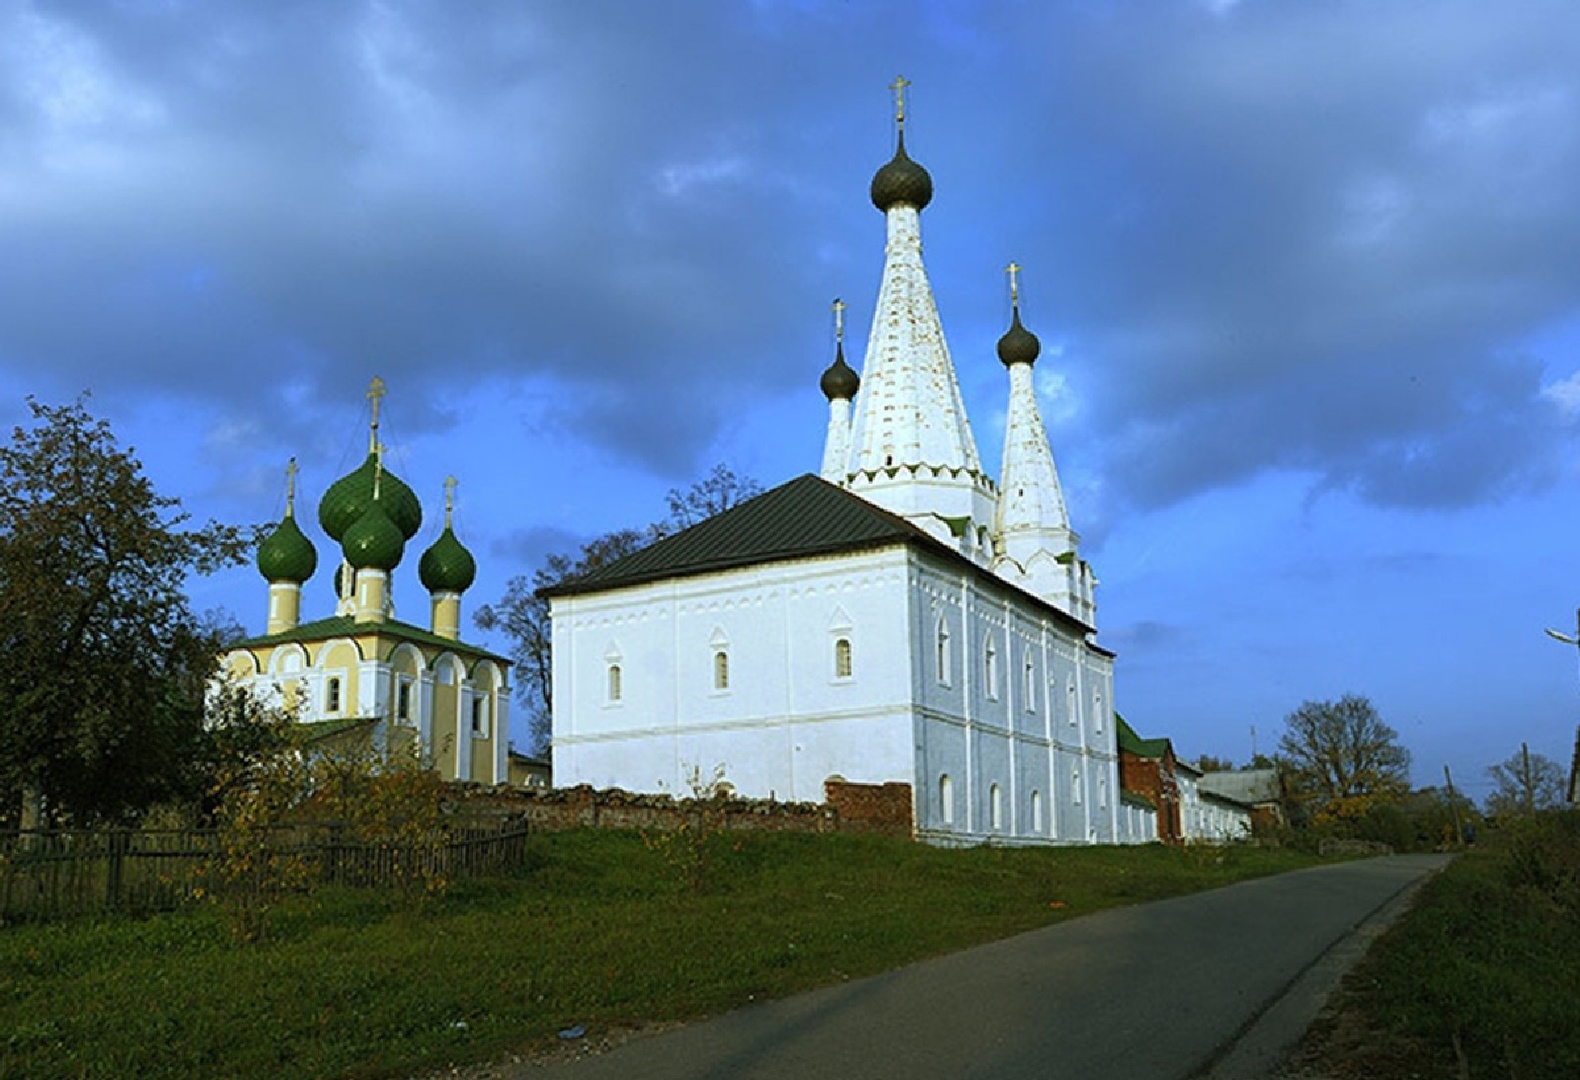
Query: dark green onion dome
x,y
840,381
447,566
347,499
287,554
373,541
901,181
1018,345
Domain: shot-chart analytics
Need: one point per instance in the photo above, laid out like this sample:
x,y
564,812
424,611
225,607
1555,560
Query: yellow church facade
x,y
361,673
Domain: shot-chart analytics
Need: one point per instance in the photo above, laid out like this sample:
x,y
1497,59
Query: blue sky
x,y
1307,276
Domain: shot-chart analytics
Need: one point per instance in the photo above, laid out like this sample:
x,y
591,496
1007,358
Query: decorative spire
x,y
447,567
898,86
290,488
839,382
1018,345
839,326
449,500
376,394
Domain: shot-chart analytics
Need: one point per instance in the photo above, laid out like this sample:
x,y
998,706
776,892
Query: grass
x,y
598,930
1481,978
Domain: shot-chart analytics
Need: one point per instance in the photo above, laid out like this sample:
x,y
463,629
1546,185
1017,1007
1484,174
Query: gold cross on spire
x,y
898,86
375,395
290,487
839,320
1013,270
449,499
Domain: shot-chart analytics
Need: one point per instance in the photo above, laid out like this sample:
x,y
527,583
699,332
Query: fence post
x,y
117,843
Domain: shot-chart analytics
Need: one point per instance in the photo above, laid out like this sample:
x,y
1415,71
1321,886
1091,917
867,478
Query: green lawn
x,y
598,929
1481,977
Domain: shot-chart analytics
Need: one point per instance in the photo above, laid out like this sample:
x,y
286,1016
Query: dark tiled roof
x,y
801,518
806,516
346,626
1245,786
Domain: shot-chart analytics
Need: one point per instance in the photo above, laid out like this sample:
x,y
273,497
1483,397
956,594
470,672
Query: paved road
x,y
1213,984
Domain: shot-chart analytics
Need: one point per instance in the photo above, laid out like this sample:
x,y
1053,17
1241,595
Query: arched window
x,y
1102,792
1070,693
946,799
943,652
721,669
402,700
1036,811
332,696
1075,786
480,716
1029,683
1097,711
996,808
842,666
990,668
616,686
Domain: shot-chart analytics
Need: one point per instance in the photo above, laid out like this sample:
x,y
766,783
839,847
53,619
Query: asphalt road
x,y
1216,984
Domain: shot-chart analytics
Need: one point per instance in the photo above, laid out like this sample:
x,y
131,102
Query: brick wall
x,y
869,808
1154,778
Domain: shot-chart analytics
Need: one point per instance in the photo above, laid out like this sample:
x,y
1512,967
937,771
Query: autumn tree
x,y
522,614
103,666
1342,757
1524,784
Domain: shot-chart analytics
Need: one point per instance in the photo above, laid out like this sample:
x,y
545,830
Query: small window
x,y
996,807
842,658
946,799
721,670
1075,786
1029,684
1036,811
1102,792
332,697
990,666
943,653
403,700
1097,712
1070,688
480,717
616,687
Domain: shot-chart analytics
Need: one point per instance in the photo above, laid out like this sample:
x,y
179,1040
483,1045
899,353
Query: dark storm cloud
x,y
1272,234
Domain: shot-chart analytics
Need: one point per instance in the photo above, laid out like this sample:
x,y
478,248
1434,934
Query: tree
x,y
1341,756
1208,763
522,614
1525,784
103,667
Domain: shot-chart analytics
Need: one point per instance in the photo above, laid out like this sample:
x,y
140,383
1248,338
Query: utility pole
x,y
1453,804
1527,781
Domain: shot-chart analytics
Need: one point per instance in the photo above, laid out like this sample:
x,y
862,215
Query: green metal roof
x,y
337,626
1129,740
801,518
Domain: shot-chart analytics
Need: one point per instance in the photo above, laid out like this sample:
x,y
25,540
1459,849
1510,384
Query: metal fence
x,y
51,873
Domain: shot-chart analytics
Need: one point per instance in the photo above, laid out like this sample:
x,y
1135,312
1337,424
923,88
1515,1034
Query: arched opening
x,y
842,662
946,799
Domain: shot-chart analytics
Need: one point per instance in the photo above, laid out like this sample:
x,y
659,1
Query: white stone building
x,y
900,618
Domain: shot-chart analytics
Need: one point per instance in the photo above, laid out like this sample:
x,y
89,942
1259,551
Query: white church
x,y
900,618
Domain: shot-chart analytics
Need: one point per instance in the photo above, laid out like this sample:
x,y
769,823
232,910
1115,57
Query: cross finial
x,y
898,86
839,320
290,487
1013,270
449,499
378,464
375,395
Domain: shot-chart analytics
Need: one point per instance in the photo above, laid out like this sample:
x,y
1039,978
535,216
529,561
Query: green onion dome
x,y
347,498
840,382
373,541
1018,345
286,554
447,566
901,181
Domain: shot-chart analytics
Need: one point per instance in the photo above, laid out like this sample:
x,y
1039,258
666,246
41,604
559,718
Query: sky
x,y
1306,273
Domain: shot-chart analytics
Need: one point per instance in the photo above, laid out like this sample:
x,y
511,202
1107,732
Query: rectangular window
x,y
480,717
721,670
403,700
332,697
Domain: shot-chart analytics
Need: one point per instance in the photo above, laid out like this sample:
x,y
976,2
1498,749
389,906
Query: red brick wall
x,y
869,808
1154,778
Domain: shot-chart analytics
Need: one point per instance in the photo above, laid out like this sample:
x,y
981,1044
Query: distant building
x,y
900,619
1260,789
360,670
1187,806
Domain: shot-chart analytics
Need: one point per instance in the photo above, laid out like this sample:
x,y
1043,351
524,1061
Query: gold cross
x,y
839,320
375,395
1013,270
449,499
898,86
290,486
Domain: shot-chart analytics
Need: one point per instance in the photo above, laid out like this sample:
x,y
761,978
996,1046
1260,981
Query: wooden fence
x,y
50,873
